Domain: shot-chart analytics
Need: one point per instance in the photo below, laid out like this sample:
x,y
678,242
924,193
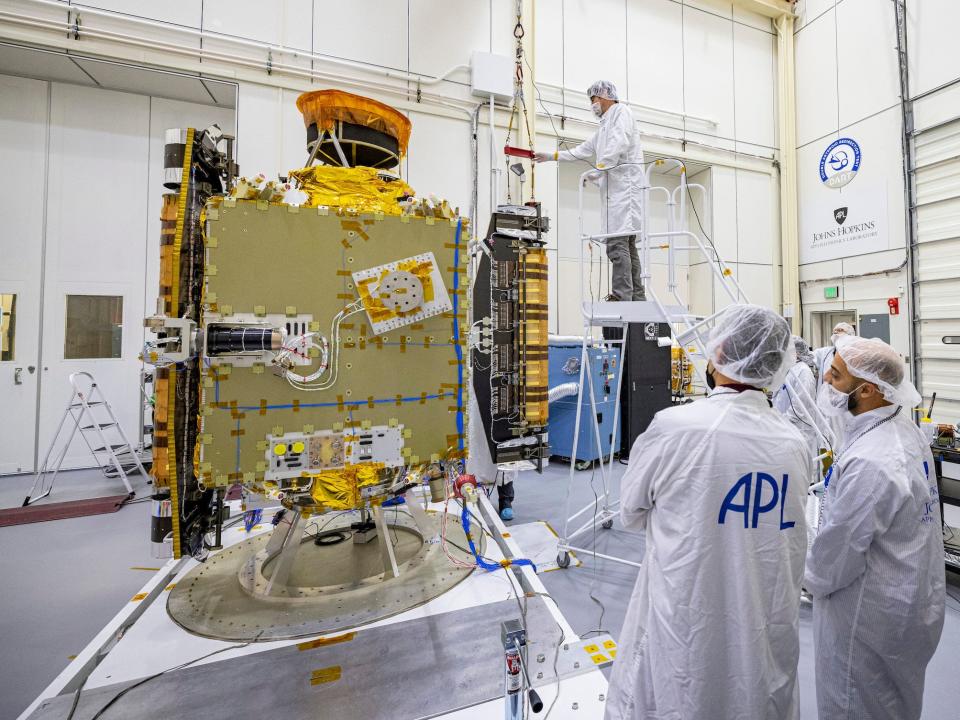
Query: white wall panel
x,y
701,289
548,49
547,190
723,226
708,68
755,59
432,139
867,76
816,59
939,107
179,12
258,121
655,30
381,39
292,140
758,224
444,33
931,43
723,8
809,10
567,218
752,19
503,18
595,42
283,22
759,284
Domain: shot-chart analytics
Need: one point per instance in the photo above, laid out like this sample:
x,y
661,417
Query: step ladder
x,y
690,331
89,413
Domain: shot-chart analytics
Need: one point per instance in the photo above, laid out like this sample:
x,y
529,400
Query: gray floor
x,y
64,580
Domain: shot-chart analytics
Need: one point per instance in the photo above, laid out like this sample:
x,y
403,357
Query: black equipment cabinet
x,y
646,380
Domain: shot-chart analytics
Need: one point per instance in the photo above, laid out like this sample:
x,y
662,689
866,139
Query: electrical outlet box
x,y
492,75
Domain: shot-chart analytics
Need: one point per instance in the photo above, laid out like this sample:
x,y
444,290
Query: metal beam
x,y
767,8
787,126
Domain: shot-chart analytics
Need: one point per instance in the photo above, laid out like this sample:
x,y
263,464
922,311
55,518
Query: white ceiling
x,y
58,66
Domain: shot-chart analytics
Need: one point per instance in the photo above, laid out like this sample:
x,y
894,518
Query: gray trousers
x,y
625,282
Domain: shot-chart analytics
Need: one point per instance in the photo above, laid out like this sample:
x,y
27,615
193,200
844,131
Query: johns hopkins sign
x,y
847,215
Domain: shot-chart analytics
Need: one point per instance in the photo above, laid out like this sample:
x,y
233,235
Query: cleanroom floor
x,y
64,580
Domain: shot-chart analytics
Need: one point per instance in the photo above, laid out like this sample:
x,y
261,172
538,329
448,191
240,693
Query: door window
x,y
94,327
8,321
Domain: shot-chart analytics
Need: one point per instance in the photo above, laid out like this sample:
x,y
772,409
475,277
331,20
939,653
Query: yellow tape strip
x,y
321,642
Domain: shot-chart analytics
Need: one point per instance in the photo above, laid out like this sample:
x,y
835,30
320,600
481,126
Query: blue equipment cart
x,y
565,368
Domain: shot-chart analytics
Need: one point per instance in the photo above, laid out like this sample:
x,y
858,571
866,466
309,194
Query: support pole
x,y
787,126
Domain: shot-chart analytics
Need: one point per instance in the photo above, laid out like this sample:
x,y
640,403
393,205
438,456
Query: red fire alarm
x,y
894,305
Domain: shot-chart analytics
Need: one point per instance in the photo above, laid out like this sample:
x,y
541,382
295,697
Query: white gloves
x,y
594,177
544,157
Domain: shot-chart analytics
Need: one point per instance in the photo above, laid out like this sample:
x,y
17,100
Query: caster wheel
x,y
607,524
583,464
563,560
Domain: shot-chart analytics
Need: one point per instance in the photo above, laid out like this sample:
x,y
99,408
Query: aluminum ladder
x,y
690,331
91,414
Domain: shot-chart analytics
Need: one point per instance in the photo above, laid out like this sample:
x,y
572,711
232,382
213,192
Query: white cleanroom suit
x,y
797,400
616,154
876,567
712,628
613,149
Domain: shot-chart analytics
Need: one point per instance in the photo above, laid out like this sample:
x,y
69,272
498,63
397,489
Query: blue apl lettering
x,y
743,483
783,501
744,488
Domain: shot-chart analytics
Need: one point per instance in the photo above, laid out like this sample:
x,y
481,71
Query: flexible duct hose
x,y
563,390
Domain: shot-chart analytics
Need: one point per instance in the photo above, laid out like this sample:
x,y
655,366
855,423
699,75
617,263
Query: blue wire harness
x,y
482,562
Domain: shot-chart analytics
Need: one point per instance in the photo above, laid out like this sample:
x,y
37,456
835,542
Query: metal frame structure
x,y
687,329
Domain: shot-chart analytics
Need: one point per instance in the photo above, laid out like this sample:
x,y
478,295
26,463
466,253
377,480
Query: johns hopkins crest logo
x,y
840,214
839,163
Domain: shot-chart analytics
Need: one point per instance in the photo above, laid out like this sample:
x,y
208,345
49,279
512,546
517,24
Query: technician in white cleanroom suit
x,y
824,357
797,400
712,630
876,567
615,153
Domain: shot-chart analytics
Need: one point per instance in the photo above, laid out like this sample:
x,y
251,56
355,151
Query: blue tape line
x,y
456,333
348,403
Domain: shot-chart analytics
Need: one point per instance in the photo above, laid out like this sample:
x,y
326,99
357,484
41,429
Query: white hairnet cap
x,y
871,359
603,89
804,354
841,329
752,345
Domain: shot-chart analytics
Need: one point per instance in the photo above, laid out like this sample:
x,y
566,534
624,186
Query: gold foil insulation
x,y
533,340
162,421
326,107
340,489
681,371
360,189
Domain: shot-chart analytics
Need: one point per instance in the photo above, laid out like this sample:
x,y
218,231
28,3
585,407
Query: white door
x,y
103,238
23,135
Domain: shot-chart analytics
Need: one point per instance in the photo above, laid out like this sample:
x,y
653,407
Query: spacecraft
x,y
313,348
